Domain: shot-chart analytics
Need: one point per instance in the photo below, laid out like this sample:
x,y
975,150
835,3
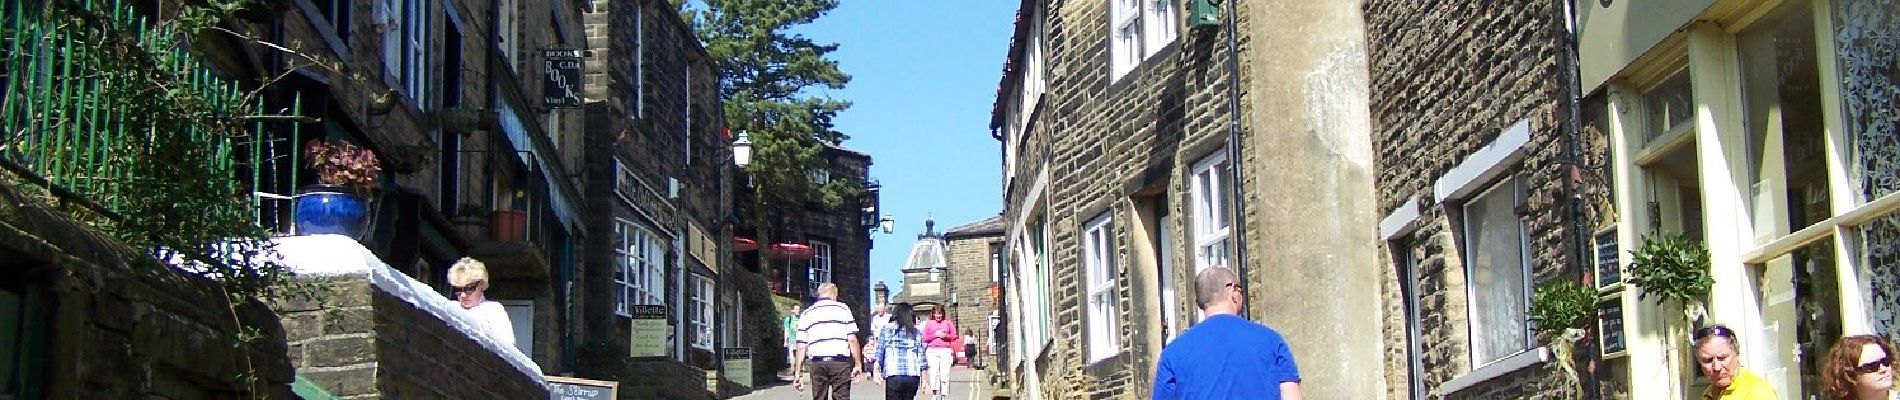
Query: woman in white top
x,y
470,278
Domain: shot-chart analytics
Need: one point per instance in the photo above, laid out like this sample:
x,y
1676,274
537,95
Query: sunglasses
x,y
1873,366
1721,331
469,288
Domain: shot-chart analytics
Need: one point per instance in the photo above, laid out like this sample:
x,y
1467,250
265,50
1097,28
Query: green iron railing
x,y
108,109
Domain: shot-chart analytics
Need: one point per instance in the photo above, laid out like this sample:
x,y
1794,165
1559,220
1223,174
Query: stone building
x,y
1479,212
814,244
1144,142
472,166
1764,131
973,254
926,283
656,165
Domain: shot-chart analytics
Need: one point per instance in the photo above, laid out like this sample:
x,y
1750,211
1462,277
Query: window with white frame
x,y
820,268
336,16
702,312
640,256
1098,259
1138,29
506,29
1494,250
415,51
1207,196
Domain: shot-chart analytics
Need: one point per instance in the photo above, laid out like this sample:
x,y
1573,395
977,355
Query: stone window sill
x,y
1497,369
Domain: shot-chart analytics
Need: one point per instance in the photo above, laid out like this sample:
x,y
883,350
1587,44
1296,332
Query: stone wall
x,y
969,278
1446,79
108,322
369,343
1103,141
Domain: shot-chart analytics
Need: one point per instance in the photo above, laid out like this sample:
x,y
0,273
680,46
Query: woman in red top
x,y
940,337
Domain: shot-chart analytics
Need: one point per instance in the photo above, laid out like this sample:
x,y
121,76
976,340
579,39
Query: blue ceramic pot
x,y
330,210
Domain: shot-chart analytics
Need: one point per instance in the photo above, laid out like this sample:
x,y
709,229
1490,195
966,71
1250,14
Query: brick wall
x,y
371,344
1447,78
112,323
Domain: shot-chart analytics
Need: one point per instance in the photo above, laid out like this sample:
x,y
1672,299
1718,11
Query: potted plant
x,y
1673,270
510,225
338,204
1560,311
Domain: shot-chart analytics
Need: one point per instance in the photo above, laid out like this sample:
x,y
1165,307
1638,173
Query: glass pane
x,y
1495,256
1880,249
1818,296
1668,106
1782,92
1867,50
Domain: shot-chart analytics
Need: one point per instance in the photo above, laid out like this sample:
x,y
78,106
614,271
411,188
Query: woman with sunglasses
x,y
469,279
1859,367
1718,353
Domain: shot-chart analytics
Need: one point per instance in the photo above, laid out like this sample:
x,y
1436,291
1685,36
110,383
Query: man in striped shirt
x,y
828,344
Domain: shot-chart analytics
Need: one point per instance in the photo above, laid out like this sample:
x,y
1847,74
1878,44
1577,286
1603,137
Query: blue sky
x,y
924,76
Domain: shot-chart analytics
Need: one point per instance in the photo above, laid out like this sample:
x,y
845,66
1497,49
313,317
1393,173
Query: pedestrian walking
x,y
900,349
1716,353
828,348
1226,356
940,335
879,320
789,325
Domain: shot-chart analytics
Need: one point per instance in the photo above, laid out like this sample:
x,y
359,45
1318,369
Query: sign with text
x,y
649,331
737,361
561,83
565,388
1610,328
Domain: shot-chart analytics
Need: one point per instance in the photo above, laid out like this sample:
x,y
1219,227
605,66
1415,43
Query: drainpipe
x,y
1573,182
1237,198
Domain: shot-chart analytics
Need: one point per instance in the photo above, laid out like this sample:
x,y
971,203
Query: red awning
x,y
741,243
791,250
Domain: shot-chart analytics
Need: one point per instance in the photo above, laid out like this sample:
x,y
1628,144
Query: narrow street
x,y
965,384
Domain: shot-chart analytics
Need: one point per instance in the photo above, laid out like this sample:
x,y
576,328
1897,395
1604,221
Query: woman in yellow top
x,y
1716,353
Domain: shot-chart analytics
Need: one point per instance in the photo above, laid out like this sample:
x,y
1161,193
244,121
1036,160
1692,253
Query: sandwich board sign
x,y
565,388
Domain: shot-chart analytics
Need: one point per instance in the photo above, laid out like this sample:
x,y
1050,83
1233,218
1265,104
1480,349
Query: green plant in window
x,y
1672,269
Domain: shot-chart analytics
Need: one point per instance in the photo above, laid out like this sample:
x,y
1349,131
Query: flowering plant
x,y
342,164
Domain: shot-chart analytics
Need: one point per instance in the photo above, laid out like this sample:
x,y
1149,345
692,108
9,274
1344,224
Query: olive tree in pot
x,y
1673,270
339,203
1560,310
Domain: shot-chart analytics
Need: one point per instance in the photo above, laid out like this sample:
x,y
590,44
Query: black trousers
x,y
900,387
830,377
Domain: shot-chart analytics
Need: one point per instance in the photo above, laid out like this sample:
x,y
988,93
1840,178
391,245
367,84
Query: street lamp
x,y
742,150
887,224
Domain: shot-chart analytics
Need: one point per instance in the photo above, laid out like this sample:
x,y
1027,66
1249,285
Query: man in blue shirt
x,y
1226,356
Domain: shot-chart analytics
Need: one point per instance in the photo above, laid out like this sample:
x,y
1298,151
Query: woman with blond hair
x,y
1859,367
469,279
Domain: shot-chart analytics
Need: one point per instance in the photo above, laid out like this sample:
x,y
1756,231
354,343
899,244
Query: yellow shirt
x,y
1746,386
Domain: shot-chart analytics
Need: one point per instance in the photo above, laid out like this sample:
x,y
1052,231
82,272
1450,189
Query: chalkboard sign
x,y
565,388
738,364
1609,262
1610,326
649,331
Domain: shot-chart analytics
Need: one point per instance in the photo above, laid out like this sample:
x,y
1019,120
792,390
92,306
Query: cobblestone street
x,y
965,384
